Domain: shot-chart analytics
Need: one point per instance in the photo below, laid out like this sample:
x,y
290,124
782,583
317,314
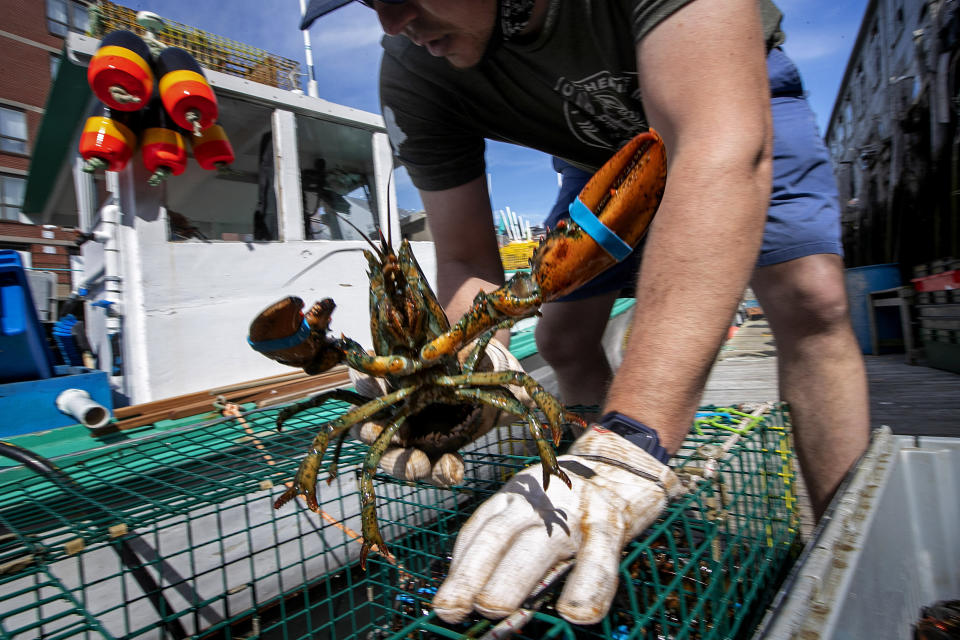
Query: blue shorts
x,y
804,214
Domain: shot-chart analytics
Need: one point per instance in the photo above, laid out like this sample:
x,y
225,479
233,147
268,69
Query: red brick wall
x,y
40,255
25,78
25,73
28,18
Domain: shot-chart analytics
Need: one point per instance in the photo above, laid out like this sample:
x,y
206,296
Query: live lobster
x,y
416,348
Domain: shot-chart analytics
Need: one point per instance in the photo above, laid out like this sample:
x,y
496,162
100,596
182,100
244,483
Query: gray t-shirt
x,y
571,93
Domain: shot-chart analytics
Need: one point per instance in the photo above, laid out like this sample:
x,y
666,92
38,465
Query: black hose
x,y
44,467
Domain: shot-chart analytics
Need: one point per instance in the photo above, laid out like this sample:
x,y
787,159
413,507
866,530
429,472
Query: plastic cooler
x,y
24,354
887,547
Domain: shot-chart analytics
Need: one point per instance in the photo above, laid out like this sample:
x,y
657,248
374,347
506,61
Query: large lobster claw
x,y
282,332
623,196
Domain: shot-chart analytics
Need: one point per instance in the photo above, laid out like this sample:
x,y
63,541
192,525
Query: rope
x,y
161,174
120,94
193,117
94,164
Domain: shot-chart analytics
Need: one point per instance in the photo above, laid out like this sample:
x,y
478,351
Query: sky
x,y
346,54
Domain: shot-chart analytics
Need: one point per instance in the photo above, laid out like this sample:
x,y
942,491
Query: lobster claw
x,y
282,332
623,195
616,205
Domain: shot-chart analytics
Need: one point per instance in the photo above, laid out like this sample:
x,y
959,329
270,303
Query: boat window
x,y
336,165
233,202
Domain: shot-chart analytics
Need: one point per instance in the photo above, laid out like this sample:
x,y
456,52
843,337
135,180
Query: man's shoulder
x,y
403,52
405,63
396,46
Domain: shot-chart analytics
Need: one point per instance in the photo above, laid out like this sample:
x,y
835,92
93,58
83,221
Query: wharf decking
x,y
910,399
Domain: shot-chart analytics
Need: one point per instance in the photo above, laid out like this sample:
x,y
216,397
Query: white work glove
x,y
409,463
511,541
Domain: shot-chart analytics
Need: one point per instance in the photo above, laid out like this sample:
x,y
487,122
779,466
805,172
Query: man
x,y
567,77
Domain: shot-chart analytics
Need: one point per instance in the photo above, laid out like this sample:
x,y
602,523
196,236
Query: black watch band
x,y
636,433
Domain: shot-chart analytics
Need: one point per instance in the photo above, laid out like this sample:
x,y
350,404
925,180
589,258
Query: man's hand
x,y
511,541
409,463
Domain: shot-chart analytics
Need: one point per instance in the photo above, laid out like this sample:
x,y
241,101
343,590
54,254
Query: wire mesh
x,y
176,536
210,50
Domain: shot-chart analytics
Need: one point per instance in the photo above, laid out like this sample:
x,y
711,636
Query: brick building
x,y
31,38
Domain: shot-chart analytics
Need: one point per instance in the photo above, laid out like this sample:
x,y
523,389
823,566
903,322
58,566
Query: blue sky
x,y
346,53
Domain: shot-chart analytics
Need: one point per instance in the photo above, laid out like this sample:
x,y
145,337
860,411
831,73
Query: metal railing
x,y
210,50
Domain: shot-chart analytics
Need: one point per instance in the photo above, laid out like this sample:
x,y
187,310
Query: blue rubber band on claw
x,y
279,344
607,239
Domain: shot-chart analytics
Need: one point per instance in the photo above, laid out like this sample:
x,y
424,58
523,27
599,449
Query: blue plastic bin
x,y
24,353
860,282
32,404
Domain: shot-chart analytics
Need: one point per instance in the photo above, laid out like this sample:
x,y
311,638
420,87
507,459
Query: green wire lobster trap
x,y
175,536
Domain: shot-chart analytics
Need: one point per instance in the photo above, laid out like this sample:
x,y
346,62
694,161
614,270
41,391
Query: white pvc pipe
x,y
110,217
87,411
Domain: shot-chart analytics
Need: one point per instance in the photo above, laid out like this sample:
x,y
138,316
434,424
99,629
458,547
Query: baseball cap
x,y
319,8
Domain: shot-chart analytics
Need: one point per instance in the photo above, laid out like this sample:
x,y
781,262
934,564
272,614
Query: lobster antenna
x,y
362,235
389,240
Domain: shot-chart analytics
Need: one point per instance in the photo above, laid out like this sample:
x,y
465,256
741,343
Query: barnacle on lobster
x,y
430,391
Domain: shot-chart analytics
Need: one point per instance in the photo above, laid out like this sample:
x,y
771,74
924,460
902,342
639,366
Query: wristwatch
x,y
636,433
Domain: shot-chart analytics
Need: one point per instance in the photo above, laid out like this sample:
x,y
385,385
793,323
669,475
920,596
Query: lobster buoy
x,y
212,149
120,73
187,96
109,139
163,147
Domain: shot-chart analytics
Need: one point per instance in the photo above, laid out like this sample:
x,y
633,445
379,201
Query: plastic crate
x,y
175,536
23,344
944,281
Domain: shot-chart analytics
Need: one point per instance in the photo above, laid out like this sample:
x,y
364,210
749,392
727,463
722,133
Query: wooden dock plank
x,y
911,399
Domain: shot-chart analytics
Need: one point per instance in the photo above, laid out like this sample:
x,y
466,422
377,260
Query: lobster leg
x,y
507,402
332,467
379,366
344,395
515,300
368,498
547,456
550,406
481,345
305,481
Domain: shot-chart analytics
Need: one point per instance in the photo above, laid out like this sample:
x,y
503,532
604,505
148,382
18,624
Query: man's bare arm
x,y
705,90
468,258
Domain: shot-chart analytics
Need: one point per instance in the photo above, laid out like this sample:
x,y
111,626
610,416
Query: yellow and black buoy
x,y
212,149
120,73
163,147
187,96
109,139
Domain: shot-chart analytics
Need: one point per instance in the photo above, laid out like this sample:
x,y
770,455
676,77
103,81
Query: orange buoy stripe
x,y
211,134
106,126
158,135
182,75
208,154
100,56
166,154
115,151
